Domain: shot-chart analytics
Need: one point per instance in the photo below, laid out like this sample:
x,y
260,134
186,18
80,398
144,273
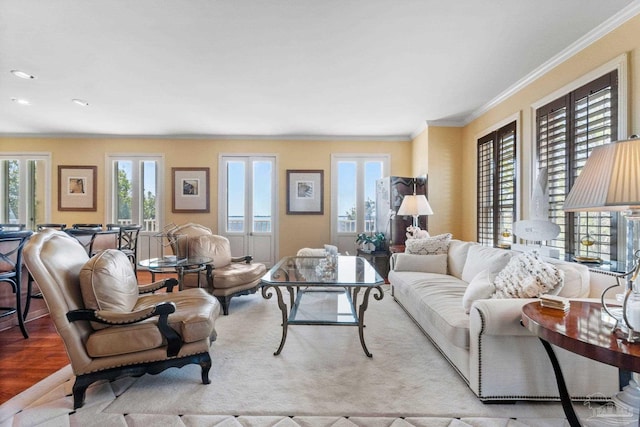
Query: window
x,y
23,189
354,195
568,128
497,186
135,195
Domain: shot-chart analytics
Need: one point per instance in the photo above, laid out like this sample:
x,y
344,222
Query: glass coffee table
x,y
181,266
323,291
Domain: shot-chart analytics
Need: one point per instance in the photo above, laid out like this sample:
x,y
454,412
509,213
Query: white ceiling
x,y
317,68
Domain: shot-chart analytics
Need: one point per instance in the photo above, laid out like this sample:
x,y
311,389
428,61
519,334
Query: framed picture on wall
x,y
190,189
305,192
77,188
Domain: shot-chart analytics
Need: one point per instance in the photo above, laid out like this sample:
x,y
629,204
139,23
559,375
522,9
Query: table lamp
x,y
610,181
415,205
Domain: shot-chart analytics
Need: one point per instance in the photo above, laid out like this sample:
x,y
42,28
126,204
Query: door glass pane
x,y
262,196
10,192
372,172
124,192
149,199
347,212
235,196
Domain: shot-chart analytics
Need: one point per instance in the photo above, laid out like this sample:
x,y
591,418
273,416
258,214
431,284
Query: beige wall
x,y
436,153
296,231
623,40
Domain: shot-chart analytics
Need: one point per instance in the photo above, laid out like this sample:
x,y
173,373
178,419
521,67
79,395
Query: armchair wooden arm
x,y
169,284
174,341
245,258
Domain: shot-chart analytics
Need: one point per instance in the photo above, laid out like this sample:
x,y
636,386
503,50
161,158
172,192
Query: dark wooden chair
x,y
128,241
94,239
11,245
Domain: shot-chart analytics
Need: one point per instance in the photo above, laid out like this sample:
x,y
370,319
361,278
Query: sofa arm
x,y
392,261
498,317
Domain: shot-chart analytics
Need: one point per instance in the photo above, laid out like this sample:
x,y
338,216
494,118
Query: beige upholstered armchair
x,y
227,276
112,327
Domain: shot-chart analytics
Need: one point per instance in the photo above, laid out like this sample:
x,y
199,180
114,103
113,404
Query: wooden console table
x,y
593,339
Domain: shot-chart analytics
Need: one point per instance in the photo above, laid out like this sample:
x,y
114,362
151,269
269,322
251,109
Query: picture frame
x,y
305,192
77,188
190,189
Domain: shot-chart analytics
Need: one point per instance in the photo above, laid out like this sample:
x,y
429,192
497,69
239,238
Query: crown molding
x,y
603,29
218,137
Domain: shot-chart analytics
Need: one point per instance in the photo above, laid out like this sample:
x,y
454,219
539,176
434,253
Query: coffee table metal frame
x,y
284,275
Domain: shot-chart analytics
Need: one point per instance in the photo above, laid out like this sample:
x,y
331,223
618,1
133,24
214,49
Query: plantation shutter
x,y
485,190
496,185
506,182
568,129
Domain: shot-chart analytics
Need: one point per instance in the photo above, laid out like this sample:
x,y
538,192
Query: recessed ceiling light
x,y
22,74
80,102
20,101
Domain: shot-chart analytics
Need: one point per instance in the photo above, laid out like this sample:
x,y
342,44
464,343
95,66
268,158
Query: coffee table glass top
x,y
338,271
173,261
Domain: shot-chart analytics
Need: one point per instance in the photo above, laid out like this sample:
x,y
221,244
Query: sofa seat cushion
x,y
438,297
193,320
236,274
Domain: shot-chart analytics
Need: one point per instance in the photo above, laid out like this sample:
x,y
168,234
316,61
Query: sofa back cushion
x,y
421,263
457,256
483,257
576,278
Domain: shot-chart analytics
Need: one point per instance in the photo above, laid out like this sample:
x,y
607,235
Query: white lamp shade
x,y
609,181
415,205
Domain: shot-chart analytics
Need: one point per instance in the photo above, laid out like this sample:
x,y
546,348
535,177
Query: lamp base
x,y
629,398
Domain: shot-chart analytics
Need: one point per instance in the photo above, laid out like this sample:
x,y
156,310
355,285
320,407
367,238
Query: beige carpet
x,y
322,378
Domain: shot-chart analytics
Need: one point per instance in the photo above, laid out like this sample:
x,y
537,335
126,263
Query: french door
x,y
248,205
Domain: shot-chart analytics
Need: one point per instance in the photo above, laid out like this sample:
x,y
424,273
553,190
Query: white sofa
x,y
498,358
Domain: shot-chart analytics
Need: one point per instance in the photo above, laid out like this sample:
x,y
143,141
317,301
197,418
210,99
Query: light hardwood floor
x,y
24,362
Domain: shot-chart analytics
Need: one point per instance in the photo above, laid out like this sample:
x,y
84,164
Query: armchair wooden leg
x,y
224,301
80,390
205,364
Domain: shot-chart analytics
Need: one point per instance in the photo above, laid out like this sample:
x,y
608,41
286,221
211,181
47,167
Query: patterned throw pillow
x,y
430,246
527,276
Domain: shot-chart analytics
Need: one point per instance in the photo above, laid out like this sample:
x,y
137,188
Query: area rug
x,y
321,378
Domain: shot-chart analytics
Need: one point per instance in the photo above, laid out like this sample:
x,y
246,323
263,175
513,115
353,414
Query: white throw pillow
x,y
527,276
480,287
430,246
482,257
421,263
